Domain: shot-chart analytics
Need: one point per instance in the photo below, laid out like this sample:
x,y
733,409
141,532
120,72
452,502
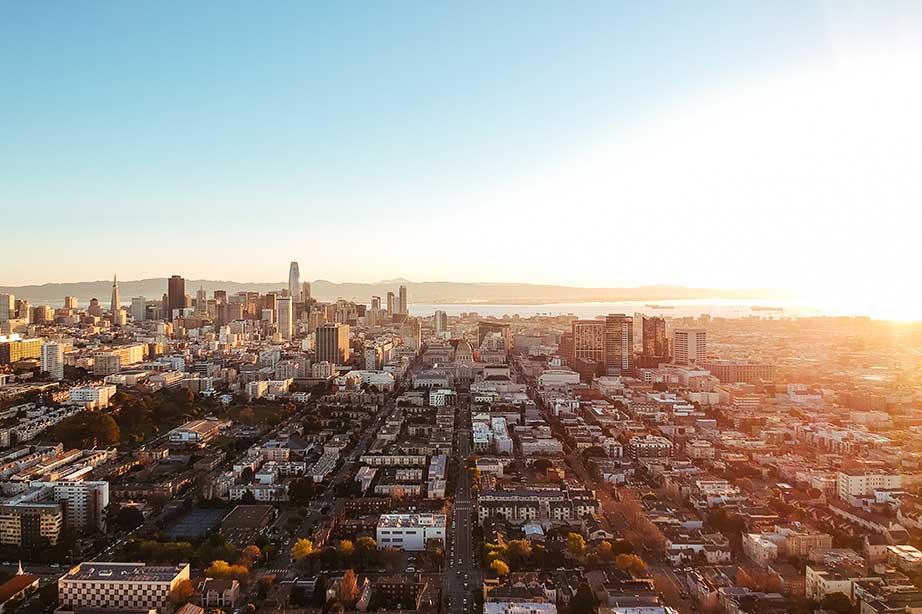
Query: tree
x,y
250,555
584,601
320,591
576,546
302,549
346,549
349,588
218,569
247,474
182,593
630,562
301,491
518,552
500,567
248,497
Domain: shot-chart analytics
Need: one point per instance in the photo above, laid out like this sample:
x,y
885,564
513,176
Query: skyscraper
x,y
7,307
333,343
70,302
294,281
441,321
283,316
139,309
176,288
390,304
589,340
116,303
654,339
689,345
305,291
403,308
619,343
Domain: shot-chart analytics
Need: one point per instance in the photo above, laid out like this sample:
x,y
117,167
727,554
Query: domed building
x,y
464,353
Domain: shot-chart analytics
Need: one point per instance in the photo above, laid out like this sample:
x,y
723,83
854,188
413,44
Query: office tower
x,y
70,302
305,291
441,321
201,301
390,304
53,359
139,309
220,296
689,345
333,343
619,343
43,314
589,340
374,314
654,337
403,301
283,316
176,288
7,307
116,303
95,309
294,280
24,309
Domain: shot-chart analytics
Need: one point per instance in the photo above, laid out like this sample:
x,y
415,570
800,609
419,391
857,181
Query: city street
x,y
463,571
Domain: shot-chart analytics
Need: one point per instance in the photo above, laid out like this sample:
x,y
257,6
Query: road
x,y
463,572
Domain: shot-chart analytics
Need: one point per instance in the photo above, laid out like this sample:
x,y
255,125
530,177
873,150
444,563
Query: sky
x,y
708,144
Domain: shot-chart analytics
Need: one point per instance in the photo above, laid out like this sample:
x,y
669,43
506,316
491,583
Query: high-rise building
x,y
94,309
53,359
70,302
139,309
7,307
403,307
176,288
220,296
201,301
284,315
116,303
390,304
689,346
43,314
489,328
654,340
25,310
441,321
333,343
589,340
294,281
305,291
619,343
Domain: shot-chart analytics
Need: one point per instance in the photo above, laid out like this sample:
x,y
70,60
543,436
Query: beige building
x,y
119,586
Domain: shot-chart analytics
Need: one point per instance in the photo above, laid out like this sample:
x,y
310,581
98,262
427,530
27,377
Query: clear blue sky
x,y
223,139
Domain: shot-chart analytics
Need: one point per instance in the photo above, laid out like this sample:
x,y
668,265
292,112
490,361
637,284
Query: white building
x,y
53,359
865,483
84,503
97,396
410,531
689,345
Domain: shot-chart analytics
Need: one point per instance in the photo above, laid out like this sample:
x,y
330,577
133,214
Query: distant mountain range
x,y
444,292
